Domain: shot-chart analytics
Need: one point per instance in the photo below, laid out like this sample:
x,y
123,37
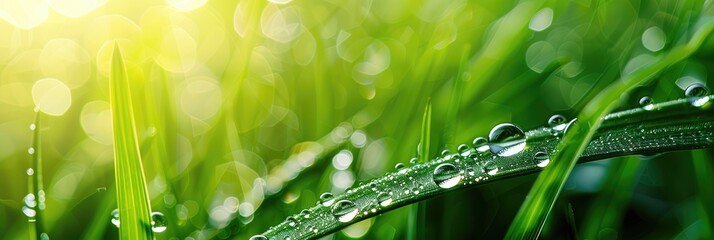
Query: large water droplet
x,y
158,222
344,210
491,168
115,217
506,139
696,90
697,93
384,199
258,237
447,175
480,144
646,103
541,159
326,199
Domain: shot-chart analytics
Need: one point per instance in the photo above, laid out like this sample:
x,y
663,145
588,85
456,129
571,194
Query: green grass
x,y
239,110
131,193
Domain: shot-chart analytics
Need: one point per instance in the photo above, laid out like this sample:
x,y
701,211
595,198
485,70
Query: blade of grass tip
x,y
607,208
37,185
535,209
132,195
417,212
704,172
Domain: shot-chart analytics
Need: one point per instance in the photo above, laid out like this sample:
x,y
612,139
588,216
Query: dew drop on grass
x,y
399,166
541,159
305,213
326,199
158,222
556,120
344,210
384,199
445,152
447,176
463,148
698,94
33,127
115,217
291,221
258,237
696,90
413,161
480,144
646,103
31,150
506,139
30,172
491,168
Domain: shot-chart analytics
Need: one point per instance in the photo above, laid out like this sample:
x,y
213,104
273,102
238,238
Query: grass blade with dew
x,y
675,125
530,218
417,212
37,191
132,195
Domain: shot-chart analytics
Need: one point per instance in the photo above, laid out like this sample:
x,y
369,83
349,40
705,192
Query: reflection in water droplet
x,y
115,217
158,222
344,210
480,144
384,199
556,120
646,103
447,176
506,139
491,168
326,199
697,93
541,159
696,90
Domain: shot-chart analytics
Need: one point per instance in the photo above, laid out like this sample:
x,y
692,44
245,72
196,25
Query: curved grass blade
x,y
132,196
37,186
674,125
417,213
530,218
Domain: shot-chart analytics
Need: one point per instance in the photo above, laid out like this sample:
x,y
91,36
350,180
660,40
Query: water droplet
x,y
480,144
33,126
258,237
506,140
556,120
696,90
291,221
413,161
30,171
445,152
491,168
384,199
447,175
305,213
463,148
326,199
541,159
44,236
399,166
31,150
158,222
115,217
344,210
646,103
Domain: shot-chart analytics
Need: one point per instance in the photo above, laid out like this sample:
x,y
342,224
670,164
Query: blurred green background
x,y
248,110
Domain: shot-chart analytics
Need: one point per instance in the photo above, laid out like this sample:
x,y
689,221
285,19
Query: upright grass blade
x,y
417,212
704,173
37,187
530,218
606,210
132,196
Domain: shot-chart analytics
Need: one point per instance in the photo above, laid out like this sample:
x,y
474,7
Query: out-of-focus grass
x,y
230,95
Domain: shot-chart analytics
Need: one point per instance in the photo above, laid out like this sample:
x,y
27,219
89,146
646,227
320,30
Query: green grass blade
x,y
530,218
37,181
425,139
704,173
607,209
132,196
417,212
